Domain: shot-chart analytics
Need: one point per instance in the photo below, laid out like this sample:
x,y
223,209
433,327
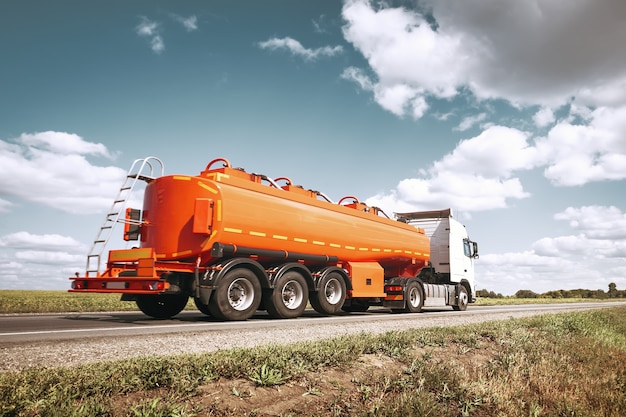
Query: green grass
x,y
552,365
51,301
484,301
25,301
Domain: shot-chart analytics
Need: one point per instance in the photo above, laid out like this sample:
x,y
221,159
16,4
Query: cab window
x,y
466,248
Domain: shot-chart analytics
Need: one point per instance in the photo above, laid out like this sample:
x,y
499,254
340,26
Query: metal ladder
x,y
140,170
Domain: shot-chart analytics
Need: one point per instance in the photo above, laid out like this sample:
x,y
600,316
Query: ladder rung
x,y
118,201
99,241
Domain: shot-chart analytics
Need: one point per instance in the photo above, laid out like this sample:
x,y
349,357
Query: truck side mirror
x,y
475,250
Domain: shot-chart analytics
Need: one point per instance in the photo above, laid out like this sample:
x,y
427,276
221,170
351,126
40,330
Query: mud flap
x,y
204,295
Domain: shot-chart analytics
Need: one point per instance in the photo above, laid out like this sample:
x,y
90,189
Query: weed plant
x,y
553,365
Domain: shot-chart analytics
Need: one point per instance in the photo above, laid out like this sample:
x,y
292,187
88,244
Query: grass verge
x,y
56,301
565,364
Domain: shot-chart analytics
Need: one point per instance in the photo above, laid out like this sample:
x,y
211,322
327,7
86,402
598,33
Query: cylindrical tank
x,y
184,216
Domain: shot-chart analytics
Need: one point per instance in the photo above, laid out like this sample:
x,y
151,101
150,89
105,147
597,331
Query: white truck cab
x,y
449,279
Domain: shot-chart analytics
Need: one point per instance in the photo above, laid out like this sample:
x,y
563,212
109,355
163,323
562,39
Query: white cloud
x,y
51,258
469,122
596,222
358,76
51,168
406,55
570,154
296,48
513,271
189,23
577,154
528,53
151,30
63,143
496,152
24,239
48,258
590,259
544,117
477,175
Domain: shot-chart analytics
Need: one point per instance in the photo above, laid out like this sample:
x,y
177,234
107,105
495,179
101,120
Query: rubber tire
x,y
319,299
220,305
162,306
463,298
275,304
203,309
414,297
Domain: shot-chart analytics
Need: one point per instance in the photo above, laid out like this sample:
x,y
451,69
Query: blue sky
x,y
512,113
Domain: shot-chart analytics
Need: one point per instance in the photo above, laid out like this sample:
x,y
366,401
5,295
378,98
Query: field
x,y
554,365
22,301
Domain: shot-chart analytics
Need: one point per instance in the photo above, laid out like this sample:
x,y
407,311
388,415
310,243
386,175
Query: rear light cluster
x,y
79,285
130,286
154,285
394,292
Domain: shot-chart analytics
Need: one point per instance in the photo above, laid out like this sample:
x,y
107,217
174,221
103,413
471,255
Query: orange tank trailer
x,y
195,229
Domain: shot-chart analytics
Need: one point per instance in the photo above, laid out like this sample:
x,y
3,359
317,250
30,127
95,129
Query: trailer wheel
x,y
414,297
204,309
237,296
463,299
331,295
289,297
162,306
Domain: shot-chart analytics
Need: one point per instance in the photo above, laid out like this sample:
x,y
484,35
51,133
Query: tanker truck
x,y
238,242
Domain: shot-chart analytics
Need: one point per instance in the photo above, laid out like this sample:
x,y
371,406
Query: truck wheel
x,y
414,297
331,295
463,299
289,297
162,306
237,296
203,309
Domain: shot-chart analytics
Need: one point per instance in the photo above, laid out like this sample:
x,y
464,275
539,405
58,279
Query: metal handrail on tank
x,y
140,170
355,200
224,160
286,179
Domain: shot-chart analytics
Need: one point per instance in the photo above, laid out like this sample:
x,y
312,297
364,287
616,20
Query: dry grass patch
x,y
554,365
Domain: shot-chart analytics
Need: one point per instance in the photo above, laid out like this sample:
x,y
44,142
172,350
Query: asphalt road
x,y
78,326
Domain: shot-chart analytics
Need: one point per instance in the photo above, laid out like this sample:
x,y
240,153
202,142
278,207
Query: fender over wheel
x,y
161,306
237,296
289,297
331,294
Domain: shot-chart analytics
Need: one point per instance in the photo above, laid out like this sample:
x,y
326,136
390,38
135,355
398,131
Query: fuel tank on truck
x,y
185,216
